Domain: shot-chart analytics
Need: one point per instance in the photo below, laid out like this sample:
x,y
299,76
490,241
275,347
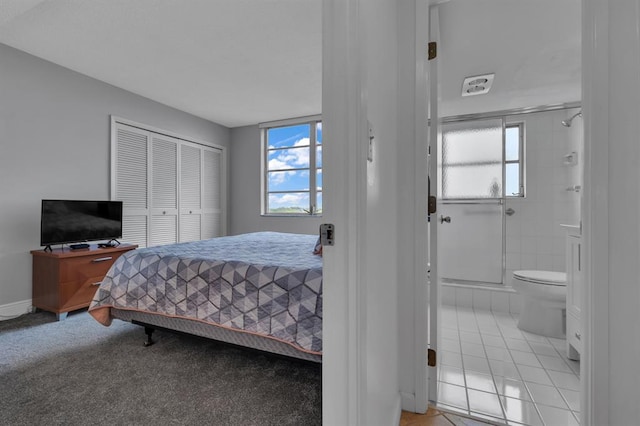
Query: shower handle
x,y
444,219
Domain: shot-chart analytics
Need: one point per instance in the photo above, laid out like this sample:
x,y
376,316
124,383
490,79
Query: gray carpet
x,y
78,372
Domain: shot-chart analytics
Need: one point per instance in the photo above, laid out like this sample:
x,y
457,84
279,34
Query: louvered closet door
x,y
212,193
171,188
164,190
190,192
130,182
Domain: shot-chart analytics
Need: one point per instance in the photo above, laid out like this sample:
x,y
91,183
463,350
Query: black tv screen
x,y
73,221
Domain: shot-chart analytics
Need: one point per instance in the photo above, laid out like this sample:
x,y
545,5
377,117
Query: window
x,y
471,157
478,158
292,164
513,153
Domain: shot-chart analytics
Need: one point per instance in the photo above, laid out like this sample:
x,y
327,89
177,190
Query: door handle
x,y
509,211
445,219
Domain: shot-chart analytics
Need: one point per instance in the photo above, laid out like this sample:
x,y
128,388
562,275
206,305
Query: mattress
x,y
260,287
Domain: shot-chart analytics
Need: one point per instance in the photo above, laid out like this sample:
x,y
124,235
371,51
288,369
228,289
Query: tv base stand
x,y
65,280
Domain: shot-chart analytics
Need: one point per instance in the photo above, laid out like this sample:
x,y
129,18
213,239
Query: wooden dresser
x,y
65,280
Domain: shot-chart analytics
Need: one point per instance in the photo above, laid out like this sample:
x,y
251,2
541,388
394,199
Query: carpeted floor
x,y
78,372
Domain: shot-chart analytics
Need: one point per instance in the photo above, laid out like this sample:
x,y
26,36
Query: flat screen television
x,y
75,221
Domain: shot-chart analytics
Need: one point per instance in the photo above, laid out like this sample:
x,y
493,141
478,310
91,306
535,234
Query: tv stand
x,y
65,280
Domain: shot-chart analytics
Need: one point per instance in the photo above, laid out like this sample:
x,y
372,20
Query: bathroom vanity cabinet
x,y
574,291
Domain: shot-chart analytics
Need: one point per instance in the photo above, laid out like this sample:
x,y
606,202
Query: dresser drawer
x,y
86,268
80,278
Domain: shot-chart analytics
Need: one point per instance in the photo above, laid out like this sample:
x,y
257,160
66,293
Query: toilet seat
x,y
550,278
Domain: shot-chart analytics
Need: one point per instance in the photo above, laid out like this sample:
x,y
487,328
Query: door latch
x,y
326,234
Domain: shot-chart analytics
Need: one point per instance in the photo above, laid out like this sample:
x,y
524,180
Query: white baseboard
x,y
397,409
15,309
408,401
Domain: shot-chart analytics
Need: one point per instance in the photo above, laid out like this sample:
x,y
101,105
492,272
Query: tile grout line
x,y
464,371
535,404
500,327
493,378
564,399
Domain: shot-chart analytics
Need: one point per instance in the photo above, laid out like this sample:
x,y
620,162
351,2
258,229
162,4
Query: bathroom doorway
x,y
489,367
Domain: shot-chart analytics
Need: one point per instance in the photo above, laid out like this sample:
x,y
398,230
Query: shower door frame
x,y
479,201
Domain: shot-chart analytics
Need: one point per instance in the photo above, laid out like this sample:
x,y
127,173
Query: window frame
x,y
519,161
313,168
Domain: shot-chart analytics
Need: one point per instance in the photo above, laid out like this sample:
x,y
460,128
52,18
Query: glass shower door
x,y
471,216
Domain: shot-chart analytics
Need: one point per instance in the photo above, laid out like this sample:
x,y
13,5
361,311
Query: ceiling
x,y
532,46
242,62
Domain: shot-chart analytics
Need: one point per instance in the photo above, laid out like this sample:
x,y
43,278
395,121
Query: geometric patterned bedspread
x,y
265,283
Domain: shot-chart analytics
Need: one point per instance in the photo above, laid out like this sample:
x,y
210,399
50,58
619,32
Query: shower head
x,y
567,122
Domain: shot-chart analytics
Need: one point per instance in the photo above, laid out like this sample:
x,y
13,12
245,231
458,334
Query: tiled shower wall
x,y
534,238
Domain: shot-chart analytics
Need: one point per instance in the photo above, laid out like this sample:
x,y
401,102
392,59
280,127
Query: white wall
x,y
534,238
54,139
380,89
361,77
611,224
245,191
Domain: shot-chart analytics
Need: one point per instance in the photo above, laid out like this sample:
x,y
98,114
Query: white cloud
x,y
288,200
292,158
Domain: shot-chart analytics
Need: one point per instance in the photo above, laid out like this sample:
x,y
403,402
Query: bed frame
x,y
153,321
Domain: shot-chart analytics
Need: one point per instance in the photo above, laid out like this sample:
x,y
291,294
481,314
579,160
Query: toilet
x,y
544,295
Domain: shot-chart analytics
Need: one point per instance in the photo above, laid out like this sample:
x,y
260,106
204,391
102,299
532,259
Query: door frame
x,y
344,357
413,296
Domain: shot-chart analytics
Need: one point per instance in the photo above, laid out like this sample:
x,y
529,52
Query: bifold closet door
x,y
164,190
171,188
212,204
190,192
129,184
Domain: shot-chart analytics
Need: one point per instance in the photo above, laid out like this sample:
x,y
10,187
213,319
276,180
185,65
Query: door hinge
x,y
327,234
431,358
432,204
432,50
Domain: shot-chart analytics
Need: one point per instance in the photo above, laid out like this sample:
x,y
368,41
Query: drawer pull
x,y
578,335
102,259
98,283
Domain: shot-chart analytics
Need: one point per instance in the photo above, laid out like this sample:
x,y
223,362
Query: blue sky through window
x,y
288,167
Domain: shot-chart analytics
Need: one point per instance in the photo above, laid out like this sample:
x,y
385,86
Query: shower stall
x,y
472,175
487,226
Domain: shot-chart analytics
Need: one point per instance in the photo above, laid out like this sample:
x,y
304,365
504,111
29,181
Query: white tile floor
x,y
492,370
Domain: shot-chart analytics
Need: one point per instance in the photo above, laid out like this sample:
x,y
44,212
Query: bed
x,y
260,290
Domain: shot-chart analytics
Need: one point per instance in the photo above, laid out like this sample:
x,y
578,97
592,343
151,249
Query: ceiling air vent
x,y
477,85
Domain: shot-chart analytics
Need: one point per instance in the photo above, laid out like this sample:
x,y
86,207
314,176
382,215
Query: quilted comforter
x,y
265,283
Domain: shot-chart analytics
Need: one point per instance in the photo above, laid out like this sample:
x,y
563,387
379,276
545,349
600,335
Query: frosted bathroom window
x,y
472,160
